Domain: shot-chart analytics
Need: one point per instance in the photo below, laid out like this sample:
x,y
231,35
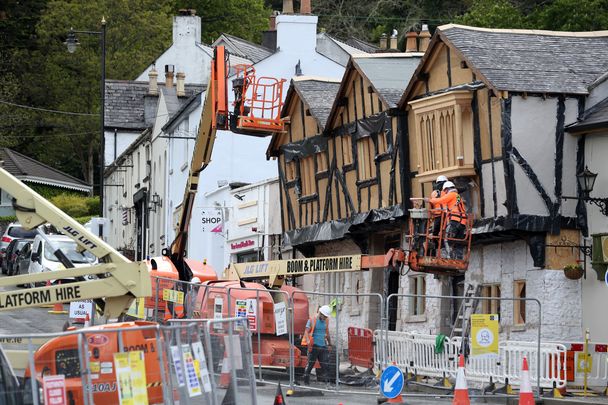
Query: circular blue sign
x,y
606,277
391,382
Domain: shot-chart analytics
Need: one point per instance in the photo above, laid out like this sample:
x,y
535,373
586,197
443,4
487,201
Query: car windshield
x,y
19,232
69,249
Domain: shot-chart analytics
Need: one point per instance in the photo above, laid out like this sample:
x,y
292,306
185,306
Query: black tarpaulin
x,y
303,148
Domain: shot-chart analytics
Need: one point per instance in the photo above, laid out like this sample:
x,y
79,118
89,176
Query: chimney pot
x,y
272,21
425,38
392,42
169,69
153,81
181,84
411,41
305,7
383,41
287,6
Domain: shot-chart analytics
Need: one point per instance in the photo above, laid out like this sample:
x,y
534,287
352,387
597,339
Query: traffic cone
x,y
87,321
526,396
225,379
461,392
58,306
278,398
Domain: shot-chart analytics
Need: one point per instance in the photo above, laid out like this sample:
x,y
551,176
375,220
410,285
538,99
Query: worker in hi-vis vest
x,y
174,310
457,220
436,211
317,339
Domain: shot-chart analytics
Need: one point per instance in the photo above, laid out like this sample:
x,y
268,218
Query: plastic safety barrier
x,y
596,364
417,354
361,347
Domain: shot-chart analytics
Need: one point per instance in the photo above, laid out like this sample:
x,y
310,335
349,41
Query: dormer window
x,y
444,135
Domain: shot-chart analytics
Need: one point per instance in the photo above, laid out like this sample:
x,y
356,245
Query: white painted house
x,y
590,132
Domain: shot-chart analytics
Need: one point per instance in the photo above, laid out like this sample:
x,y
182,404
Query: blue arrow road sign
x,y
391,382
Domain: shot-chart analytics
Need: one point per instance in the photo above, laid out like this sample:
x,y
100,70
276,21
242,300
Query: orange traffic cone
x,y
87,321
461,392
526,396
225,375
278,398
58,307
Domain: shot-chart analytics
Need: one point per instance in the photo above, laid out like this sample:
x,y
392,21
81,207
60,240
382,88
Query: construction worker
x,y
192,310
456,220
317,339
436,212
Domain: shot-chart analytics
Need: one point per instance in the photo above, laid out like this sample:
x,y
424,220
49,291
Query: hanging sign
x,y
177,365
131,378
280,318
252,311
199,355
172,295
484,335
194,388
80,309
54,389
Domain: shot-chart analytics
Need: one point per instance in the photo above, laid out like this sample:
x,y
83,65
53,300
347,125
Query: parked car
x,y
11,254
43,257
22,262
14,231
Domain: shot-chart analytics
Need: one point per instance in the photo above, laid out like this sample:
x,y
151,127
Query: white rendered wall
x,y
117,143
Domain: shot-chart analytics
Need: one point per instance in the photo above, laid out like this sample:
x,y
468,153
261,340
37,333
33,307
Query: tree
x,y
571,15
242,18
493,14
136,33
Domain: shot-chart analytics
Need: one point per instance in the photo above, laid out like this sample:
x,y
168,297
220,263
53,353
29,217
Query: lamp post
x,y
586,181
72,44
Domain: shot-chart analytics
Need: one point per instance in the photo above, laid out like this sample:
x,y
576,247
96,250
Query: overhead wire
x,y
29,107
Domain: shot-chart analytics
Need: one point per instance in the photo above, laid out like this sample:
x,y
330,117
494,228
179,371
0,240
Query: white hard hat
x,y
195,280
448,184
441,178
325,310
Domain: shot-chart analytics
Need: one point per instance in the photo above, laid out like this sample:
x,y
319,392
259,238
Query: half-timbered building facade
x,y
340,165
487,108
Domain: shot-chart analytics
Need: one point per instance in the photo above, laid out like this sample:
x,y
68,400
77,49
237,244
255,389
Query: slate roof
x,y
335,50
318,94
30,170
126,101
362,45
594,118
388,73
530,60
243,48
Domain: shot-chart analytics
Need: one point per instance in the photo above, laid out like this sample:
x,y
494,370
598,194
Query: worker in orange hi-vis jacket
x,y
456,217
436,211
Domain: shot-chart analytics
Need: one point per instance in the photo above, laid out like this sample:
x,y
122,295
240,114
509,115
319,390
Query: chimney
x,y
411,39
181,84
383,41
287,6
392,42
186,27
153,81
169,76
305,7
269,37
425,38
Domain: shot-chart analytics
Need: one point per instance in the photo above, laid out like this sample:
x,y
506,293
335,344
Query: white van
x,y
44,259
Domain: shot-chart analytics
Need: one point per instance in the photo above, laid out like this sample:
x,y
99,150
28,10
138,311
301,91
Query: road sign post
x,y
391,382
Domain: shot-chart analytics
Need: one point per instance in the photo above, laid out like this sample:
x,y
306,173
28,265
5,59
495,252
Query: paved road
x,y
30,320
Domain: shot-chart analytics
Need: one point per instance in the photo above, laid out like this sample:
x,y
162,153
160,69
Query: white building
x,y
590,131
172,122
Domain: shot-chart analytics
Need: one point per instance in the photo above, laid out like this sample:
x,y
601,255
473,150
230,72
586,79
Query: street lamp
x,y
586,181
72,44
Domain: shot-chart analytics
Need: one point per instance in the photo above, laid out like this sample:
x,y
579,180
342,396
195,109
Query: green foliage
x,y
572,15
494,14
84,220
242,18
76,206
49,192
8,219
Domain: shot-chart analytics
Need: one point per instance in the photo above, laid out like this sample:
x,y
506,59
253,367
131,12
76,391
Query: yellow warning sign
x,y
131,378
584,365
173,296
136,310
484,335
